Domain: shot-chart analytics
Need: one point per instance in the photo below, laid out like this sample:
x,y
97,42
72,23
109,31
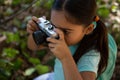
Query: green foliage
x,y
114,8
41,53
4,62
17,22
116,34
17,62
34,61
103,11
10,52
16,2
5,68
8,12
41,69
13,61
29,71
12,37
1,2
48,4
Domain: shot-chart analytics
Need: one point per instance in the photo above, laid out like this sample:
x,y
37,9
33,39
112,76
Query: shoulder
x,y
89,61
91,56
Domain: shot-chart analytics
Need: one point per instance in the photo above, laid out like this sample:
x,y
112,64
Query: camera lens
x,y
39,37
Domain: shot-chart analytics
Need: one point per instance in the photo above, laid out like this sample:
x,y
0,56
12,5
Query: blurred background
x,y
17,62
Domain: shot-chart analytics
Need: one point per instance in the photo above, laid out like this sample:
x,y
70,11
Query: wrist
x,y
67,58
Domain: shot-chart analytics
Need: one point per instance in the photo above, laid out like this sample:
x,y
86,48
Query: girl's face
x,y
72,33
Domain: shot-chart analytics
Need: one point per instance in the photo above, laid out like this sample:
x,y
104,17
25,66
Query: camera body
x,y
46,29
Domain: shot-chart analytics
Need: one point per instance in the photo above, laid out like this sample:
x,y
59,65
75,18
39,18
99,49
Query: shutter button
x,y
50,27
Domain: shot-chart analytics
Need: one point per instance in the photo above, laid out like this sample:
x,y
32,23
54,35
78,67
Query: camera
x,y
46,29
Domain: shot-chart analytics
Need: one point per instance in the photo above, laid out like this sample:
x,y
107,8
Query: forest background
x,y
17,62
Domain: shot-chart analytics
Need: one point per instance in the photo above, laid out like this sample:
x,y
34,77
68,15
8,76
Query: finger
x,y
51,45
60,33
52,40
33,24
35,19
29,29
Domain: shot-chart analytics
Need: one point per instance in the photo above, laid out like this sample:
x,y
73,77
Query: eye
x,y
65,31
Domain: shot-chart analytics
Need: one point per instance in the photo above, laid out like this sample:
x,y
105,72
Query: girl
x,y
84,51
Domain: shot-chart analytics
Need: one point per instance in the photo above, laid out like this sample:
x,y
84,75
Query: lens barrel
x,y
39,37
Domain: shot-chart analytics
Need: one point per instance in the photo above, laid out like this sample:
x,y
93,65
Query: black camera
x,y
46,29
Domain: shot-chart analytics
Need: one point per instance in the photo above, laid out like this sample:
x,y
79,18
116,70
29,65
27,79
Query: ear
x,y
89,29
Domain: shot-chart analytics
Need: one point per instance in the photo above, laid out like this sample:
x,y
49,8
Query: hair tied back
x,y
96,18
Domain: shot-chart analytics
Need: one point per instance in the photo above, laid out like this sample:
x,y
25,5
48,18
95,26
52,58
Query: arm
x,y
31,44
62,52
70,69
71,72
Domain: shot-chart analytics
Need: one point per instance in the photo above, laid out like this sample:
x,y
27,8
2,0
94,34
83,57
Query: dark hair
x,y
83,12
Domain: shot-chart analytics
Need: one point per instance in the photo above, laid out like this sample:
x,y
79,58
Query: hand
x,y
58,46
31,26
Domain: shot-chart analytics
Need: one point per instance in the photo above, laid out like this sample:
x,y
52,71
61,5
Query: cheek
x,y
73,39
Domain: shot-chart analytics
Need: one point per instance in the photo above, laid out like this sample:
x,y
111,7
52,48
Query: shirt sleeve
x,y
89,61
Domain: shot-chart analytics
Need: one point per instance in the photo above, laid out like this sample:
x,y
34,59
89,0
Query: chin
x,y
70,44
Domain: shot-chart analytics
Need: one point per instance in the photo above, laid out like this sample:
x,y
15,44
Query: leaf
x,y
12,37
114,8
3,62
34,61
23,44
29,71
10,52
16,2
38,3
48,4
41,69
17,63
5,72
41,53
103,11
26,54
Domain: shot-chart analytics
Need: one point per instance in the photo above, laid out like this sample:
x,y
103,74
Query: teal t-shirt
x,y
90,61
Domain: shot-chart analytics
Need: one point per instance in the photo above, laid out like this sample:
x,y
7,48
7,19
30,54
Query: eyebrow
x,y
60,27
